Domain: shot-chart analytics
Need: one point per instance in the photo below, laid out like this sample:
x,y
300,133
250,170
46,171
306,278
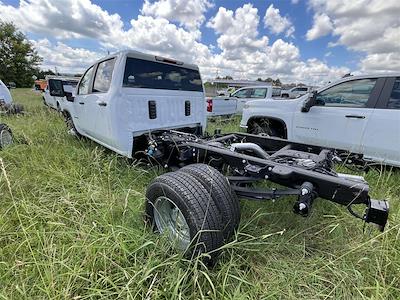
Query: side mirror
x,y
56,88
310,102
69,96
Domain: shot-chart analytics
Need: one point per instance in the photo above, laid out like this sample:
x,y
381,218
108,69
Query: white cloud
x,y
276,23
63,18
371,27
65,58
245,54
240,51
161,37
189,13
295,1
238,31
322,26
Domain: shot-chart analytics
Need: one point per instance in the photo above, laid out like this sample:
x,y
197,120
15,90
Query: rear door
x,y
381,140
341,116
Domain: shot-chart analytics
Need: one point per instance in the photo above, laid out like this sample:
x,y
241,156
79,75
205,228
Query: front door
x,y
339,119
97,104
81,115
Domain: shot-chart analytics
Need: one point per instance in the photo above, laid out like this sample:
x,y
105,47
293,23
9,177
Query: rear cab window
x,y
147,74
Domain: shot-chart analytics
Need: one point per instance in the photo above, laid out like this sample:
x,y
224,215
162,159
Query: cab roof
x,y
149,57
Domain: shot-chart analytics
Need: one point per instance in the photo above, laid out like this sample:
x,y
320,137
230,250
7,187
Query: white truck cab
x,y
126,95
234,103
359,114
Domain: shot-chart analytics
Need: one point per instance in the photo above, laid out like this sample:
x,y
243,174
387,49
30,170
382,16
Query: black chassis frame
x,y
176,149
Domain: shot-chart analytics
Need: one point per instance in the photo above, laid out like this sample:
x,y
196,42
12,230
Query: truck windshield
x,y
141,73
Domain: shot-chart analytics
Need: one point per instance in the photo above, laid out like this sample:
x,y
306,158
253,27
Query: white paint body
x,y
5,95
115,118
376,135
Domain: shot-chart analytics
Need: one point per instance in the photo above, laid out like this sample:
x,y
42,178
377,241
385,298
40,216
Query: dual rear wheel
x,y
195,207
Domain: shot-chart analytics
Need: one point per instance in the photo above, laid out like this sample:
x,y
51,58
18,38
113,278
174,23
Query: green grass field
x,y
71,227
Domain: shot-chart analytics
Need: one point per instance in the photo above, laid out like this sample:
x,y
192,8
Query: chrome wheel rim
x,y
170,220
5,138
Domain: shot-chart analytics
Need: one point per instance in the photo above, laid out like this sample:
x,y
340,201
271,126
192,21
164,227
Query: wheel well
x,y
277,124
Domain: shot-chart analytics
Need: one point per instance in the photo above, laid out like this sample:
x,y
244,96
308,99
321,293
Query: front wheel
x,y
262,127
71,126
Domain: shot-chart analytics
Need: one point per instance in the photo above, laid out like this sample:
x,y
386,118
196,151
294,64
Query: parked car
x,y
6,137
5,96
222,106
125,95
360,114
58,102
296,92
6,102
11,85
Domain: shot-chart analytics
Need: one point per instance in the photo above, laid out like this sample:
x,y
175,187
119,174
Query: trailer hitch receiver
x,y
305,200
377,213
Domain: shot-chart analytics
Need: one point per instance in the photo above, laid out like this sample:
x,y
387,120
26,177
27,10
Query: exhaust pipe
x,y
249,147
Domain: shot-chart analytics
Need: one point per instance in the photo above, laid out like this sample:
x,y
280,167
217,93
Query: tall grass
x,y
71,226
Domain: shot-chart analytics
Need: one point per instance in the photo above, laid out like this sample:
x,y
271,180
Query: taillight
x,y
209,105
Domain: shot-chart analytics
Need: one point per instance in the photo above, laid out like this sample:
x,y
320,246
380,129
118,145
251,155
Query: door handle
x,y
355,117
82,103
102,103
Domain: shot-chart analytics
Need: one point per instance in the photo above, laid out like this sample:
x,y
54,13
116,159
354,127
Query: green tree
x,y
277,82
18,59
41,74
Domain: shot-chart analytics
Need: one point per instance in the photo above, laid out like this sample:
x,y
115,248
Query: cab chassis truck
x,y
306,172
149,106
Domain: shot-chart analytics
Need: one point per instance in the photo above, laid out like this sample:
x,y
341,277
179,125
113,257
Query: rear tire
x,y
176,198
6,136
225,199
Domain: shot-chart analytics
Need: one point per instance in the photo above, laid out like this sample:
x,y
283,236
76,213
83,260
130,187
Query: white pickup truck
x,y
125,95
233,104
53,100
296,92
359,114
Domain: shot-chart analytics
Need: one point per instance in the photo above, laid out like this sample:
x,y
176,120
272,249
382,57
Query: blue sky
x,y
316,40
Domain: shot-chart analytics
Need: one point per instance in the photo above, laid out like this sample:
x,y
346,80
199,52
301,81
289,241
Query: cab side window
x,y
102,79
353,93
258,93
242,93
84,87
394,101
